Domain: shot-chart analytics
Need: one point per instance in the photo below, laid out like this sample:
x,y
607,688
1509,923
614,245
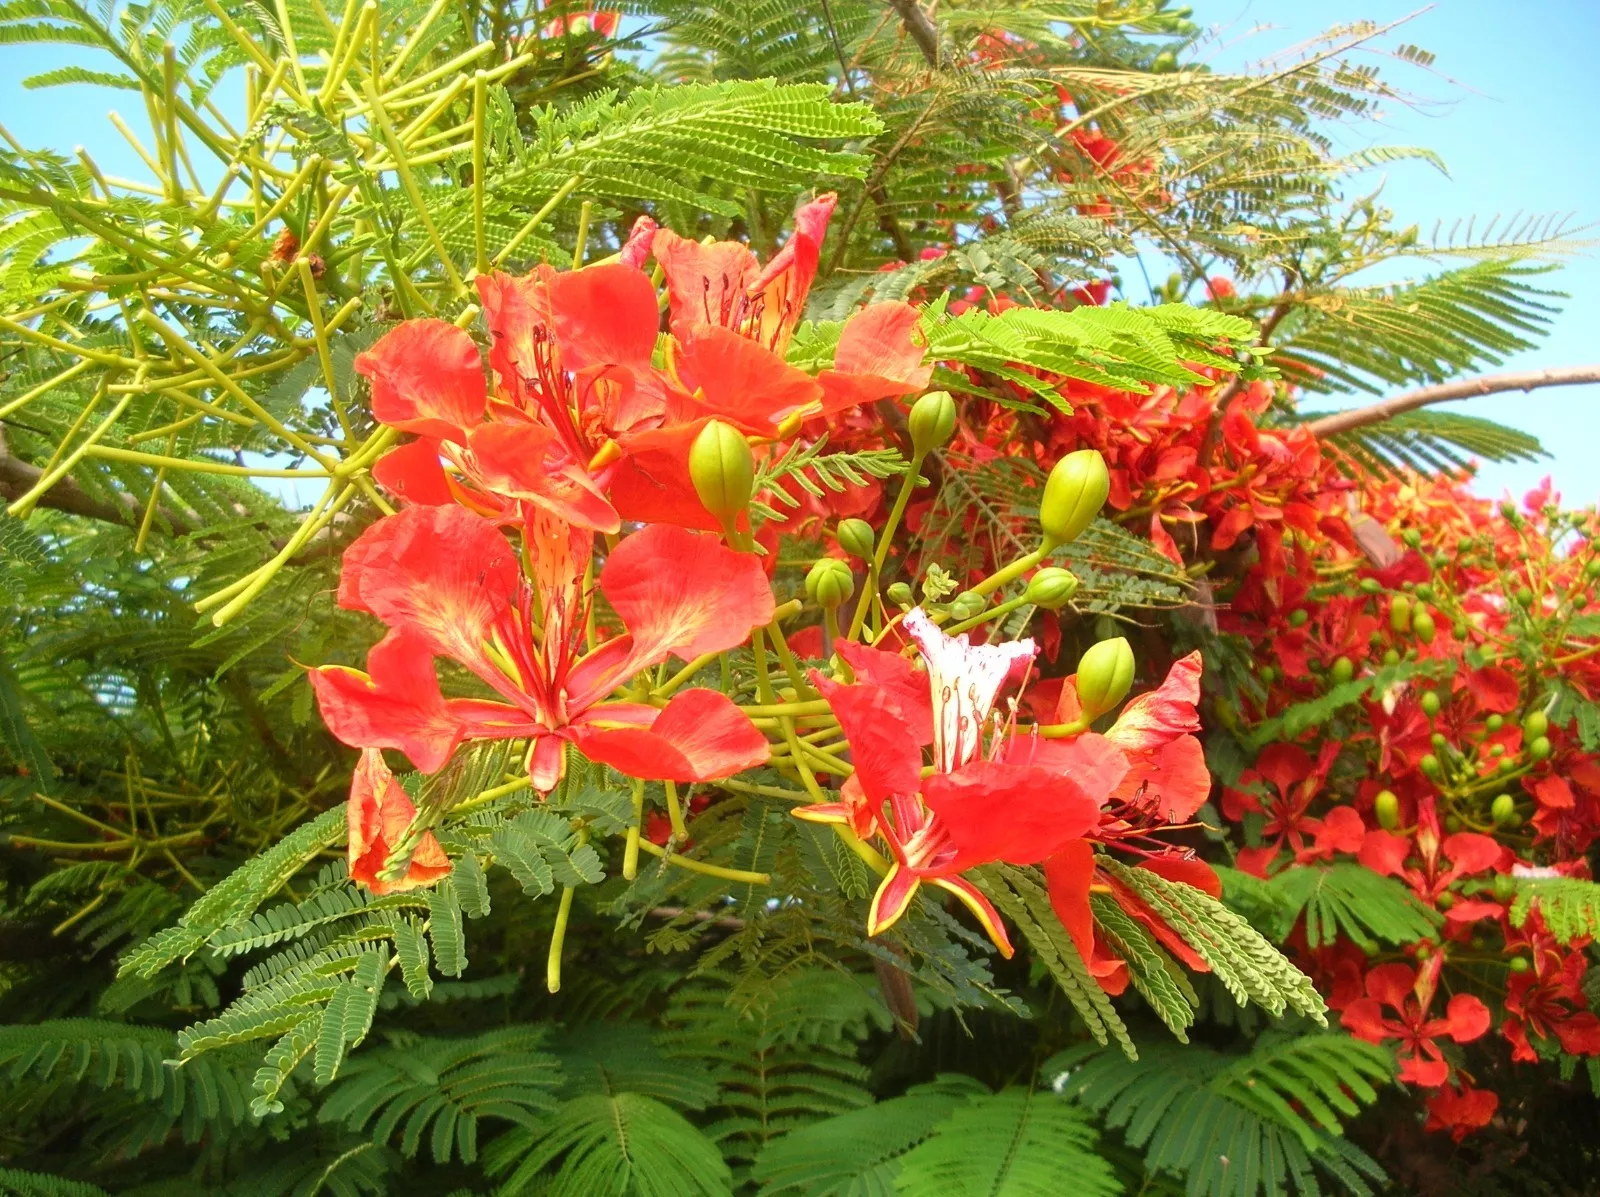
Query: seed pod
x,y
1105,673
856,538
1503,810
1386,809
1073,495
1400,613
722,469
1051,588
932,420
829,583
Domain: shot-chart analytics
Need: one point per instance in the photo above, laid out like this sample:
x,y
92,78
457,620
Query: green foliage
x,y
1343,898
1568,907
1261,1121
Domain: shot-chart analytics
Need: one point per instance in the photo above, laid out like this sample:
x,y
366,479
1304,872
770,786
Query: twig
x,y
1466,388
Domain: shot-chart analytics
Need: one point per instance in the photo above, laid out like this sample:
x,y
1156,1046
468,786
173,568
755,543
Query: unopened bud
x,y
1422,626
829,583
899,593
1504,810
1535,724
1386,809
856,538
1073,495
1051,588
723,470
1105,673
932,420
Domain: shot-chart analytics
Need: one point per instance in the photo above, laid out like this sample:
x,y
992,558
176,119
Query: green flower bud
x,y
1430,703
1105,673
1425,593
1400,613
1051,588
1503,810
1591,568
1540,749
1411,537
967,604
1497,750
1505,886
856,538
1447,899
1535,724
932,420
1519,964
1386,809
1438,740
1370,585
899,593
1495,722
1459,629
1343,670
1429,765
722,469
1298,617
1422,626
1524,596
1073,495
1267,674
829,583
1391,657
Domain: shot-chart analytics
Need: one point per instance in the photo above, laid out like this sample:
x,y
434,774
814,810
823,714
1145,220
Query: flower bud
x,y
1535,725
1422,626
932,420
1540,748
1505,887
830,583
1051,588
1430,766
1504,810
967,604
1430,703
1400,613
899,593
1343,670
722,469
1105,673
1386,809
1073,495
856,538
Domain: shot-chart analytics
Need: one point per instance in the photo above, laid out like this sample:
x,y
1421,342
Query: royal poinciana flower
x,y
1461,1111
1547,1000
1295,780
448,584
1396,1009
989,797
1431,865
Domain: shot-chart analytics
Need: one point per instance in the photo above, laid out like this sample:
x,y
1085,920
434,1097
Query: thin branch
x,y
921,28
1466,388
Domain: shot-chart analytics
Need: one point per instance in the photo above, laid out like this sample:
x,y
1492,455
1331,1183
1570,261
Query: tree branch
x,y
921,28
1466,388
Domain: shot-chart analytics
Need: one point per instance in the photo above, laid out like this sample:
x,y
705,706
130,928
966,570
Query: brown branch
x,y
18,477
1466,388
921,28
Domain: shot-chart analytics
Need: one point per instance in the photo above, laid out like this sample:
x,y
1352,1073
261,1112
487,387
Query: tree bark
x,y
921,28
1466,388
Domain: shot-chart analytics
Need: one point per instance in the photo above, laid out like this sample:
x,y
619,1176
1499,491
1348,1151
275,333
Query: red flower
x,y
1297,780
1440,864
378,814
447,584
1461,1111
1548,999
1409,993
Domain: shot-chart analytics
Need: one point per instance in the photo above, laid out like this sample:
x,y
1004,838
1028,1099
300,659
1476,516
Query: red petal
x,y
651,483
982,909
686,594
1469,852
378,814
1364,1019
443,573
705,283
1068,874
1421,1070
1579,1035
1091,762
884,749
738,381
517,313
898,679
1392,984
1341,831
995,811
1493,690
1175,780
1186,870
699,736
636,250
1385,853
529,461
780,290
398,705
414,473
426,378
1284,765
1553,793
604,315
1163,714
1463,1112
1466,1018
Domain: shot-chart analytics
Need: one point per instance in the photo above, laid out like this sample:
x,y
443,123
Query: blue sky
x,y
1512,103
